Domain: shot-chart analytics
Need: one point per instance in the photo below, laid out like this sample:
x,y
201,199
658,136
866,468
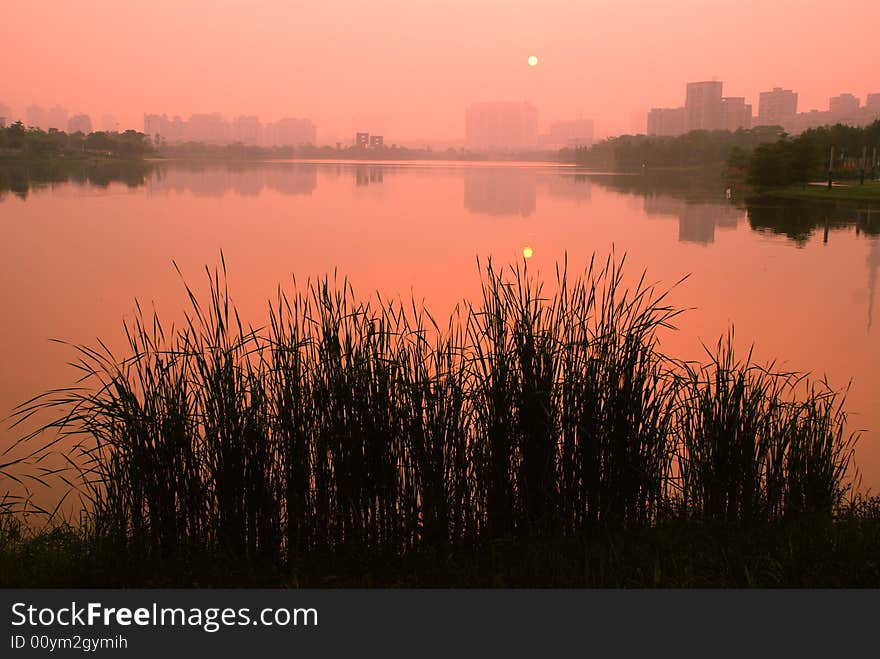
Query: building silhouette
x,y
777,107
843,107
501,126
37,117
247,130
704,109
667,122
290,132
568,133
213,128
80,123
735,113
702,105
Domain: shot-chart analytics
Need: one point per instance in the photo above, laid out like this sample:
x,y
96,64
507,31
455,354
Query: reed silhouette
x,y
356,429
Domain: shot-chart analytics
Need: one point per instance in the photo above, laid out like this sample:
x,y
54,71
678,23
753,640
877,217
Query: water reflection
x,y
799,220
502,192
697,221
245,179
760,265
873,265
368,174
22,179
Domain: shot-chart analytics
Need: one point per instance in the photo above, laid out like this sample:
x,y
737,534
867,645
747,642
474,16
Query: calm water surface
x,y
799,281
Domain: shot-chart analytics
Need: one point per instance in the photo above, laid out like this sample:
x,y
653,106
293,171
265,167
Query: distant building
x,y
79,123
35,116
57,118
208,128
362,140
2,122
777,107
376,142
568,133
735,113
214,129
248,131
805,120
501,126
290,132
702,105
872,102
666,122
843,107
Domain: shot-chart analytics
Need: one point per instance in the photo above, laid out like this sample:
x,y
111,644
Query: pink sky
x,y
408,68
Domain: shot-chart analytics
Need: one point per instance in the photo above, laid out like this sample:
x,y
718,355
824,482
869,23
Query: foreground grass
x,y
809,551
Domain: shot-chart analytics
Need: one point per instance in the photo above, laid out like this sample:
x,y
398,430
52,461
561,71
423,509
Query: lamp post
x,y
831,167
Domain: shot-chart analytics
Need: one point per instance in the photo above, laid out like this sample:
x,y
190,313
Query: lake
x,y
797,280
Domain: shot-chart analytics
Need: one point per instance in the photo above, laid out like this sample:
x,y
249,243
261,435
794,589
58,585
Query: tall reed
x,y
349,428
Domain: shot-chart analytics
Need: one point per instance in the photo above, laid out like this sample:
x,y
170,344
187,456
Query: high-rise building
x,y
289,132
501,126
843,106
56,117
35,116
377,141
735,113
79,123
872,102
208,128
777,107
213,128
247,130
666,122
702,105
362,140
568,133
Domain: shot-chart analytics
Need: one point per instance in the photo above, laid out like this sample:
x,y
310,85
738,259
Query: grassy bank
x,y
348,434
843,190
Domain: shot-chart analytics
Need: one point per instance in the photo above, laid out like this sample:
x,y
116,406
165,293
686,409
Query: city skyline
x,y
394,76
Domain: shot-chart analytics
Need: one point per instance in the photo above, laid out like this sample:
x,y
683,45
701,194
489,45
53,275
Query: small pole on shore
x,y
831,167
864,164
874,163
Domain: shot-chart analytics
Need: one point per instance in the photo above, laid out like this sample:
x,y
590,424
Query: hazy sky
x,y
408,68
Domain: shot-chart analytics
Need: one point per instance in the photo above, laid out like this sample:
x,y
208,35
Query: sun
x,y
528,252
533,60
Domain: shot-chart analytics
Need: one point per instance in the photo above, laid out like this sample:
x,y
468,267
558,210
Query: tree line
x,y
808,156
20,141
694,149
764,156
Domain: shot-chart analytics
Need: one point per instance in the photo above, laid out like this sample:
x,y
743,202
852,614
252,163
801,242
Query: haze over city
x,y
409,70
